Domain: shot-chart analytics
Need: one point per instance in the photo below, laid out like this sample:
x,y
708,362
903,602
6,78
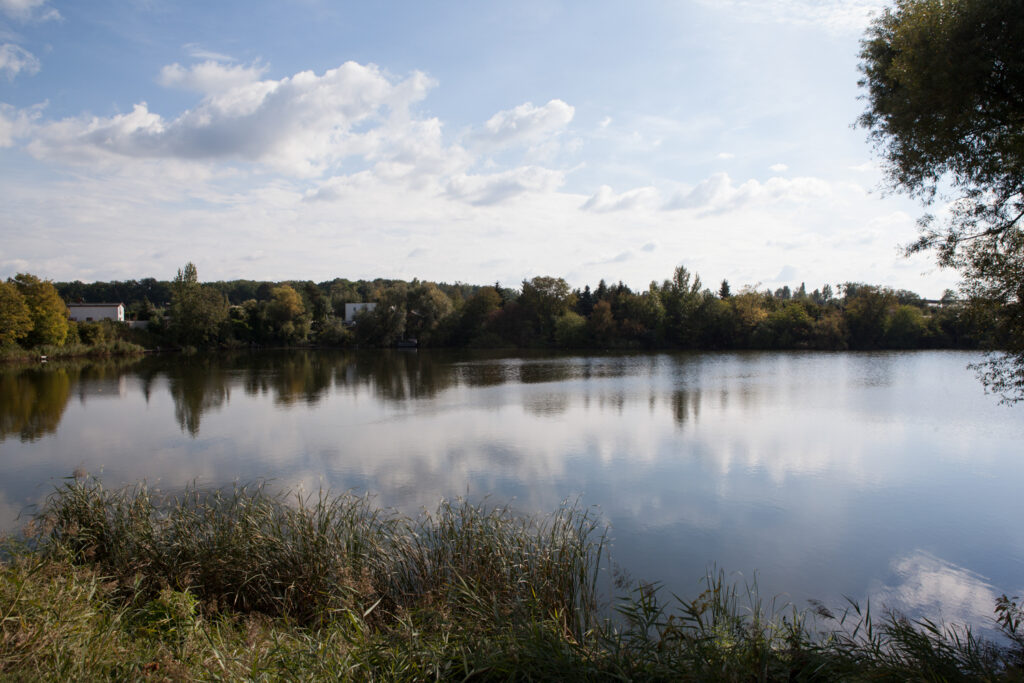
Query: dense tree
x,y
385,325
906,326
475,316
286,315
196,312
426,307
867,315
602,324
681,299
678,313
571,330
543,299
46,309
791,326
15,321
945,93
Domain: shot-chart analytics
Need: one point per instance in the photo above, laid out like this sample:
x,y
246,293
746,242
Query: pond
x,y
889,477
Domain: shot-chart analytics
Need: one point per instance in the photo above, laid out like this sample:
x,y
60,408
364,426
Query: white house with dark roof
x,y
90,312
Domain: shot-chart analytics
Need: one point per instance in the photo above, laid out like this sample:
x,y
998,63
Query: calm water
x,y
888,476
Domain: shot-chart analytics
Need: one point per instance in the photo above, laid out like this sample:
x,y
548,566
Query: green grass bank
x,y
132,584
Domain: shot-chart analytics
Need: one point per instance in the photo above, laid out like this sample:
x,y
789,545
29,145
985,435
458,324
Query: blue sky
x,y
454,141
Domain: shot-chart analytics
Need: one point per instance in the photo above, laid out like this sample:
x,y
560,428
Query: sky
x,y
448,141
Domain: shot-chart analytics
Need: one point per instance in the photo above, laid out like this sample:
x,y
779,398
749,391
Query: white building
x,y
351,310
89,312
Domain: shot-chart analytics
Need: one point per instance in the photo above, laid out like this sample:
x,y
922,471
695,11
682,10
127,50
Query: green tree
x,y
46,309
475,315
681,299
196,312
384,325
570,330
544,299
867,315
906,328
602,324
426,307
944,83
15,321
791,326
287,315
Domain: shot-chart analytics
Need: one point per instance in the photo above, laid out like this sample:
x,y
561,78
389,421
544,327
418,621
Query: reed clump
x,y
248,584
311,558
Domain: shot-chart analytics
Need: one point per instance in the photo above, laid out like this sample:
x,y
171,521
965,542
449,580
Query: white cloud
x,y
484,190
525,124
778,168
606,200
933,588
26,10
713,190
302,124
196,51
15,123
725,156
718,194
15,59
836,15
210,77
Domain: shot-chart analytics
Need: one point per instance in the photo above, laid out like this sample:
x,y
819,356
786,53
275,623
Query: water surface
x,y
887,476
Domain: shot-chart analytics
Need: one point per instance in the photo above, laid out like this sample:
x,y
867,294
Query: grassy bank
x,y
129,584
117,347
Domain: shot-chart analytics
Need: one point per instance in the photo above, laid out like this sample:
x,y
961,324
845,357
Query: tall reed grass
x,y
309,558
248,584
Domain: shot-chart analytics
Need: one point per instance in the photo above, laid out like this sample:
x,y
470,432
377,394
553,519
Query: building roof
x,y
94,305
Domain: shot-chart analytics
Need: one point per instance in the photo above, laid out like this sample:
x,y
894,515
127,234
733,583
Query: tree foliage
x,y
944,83
15,321
196,311
46,309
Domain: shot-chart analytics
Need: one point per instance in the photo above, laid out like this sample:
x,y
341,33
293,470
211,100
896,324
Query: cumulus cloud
x,y
605,199
300,124
494,188
718,194
709,192
15,60
725,156
778,168
525,124
26,10
210,77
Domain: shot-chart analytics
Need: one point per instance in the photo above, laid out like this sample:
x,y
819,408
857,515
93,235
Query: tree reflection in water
x,y
33,400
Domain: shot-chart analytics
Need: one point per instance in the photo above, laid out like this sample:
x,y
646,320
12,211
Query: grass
x,y
130,584
116,347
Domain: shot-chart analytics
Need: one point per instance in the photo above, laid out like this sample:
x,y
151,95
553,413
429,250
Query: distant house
x,y
90,312
351,310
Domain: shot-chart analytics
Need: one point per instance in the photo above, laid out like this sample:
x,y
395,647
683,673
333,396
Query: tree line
x,y
544,312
